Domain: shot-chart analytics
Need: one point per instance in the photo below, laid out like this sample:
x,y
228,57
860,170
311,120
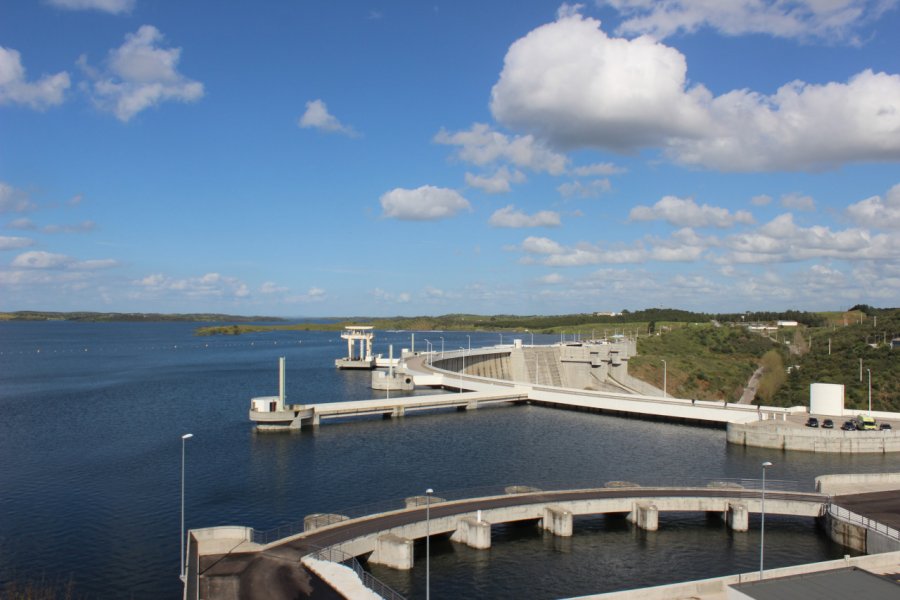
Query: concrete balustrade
x,y
473,533
645,515
319,520
393,551
558,521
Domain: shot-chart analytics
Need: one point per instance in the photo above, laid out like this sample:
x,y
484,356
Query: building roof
x,y
836,584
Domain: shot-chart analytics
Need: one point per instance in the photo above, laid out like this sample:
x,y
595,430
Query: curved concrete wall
x,y
791,437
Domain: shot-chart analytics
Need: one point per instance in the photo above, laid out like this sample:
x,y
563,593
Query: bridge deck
x,y
883,507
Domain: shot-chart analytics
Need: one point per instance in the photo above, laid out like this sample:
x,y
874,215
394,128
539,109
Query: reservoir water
x,y
91,418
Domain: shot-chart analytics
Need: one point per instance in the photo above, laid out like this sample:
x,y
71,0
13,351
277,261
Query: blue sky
x,y
316,158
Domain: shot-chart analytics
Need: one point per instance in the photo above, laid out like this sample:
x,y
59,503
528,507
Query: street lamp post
x,y
428,349
665,394
463,350
428,494
501,339
469,337
762,525
442,348
532,338
869,372
184,438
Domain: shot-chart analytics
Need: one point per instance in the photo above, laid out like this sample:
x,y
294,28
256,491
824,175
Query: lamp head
x,y
187,436
429,491
766,464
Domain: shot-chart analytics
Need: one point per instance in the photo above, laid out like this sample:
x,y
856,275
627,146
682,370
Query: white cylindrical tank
x,y
826,399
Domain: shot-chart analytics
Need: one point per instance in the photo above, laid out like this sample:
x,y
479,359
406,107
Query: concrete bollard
x,y
737,516
393,551
473,533
421,501
319,520
558,521
645,516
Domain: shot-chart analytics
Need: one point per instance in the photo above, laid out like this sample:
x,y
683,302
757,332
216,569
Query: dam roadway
x,y
250,565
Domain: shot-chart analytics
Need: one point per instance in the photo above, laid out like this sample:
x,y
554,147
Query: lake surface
x,y
91,418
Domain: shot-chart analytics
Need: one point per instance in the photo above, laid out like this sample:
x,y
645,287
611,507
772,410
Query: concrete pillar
x,y
315,418
645,516
558,521
737,516
398,411
472,405
473,533
393,551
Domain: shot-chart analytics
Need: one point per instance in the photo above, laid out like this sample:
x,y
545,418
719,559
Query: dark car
x,y
849,426
884,426
812,422
828,424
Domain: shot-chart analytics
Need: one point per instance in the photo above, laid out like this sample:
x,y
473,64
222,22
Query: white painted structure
x,y
826,399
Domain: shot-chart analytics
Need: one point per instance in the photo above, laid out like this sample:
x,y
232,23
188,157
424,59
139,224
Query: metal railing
x,y
370,581
842,514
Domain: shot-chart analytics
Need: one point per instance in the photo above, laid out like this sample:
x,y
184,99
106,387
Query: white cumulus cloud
x,y
317,116
508,216
580,189
481,145
13,200
829,19
13,243
498,183
47,91
426,203
570,84
114,7
39,259
203,286
140,74
878,212
684,212
795,201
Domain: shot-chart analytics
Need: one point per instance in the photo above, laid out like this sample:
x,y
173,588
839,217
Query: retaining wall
x,y
771,434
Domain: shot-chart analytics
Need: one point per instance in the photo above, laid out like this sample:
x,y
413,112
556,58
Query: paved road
x,y
883,507
276,574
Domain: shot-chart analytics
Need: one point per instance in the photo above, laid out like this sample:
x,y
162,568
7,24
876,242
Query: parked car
x,y
812,422
849,426
828,424
865,423
885,426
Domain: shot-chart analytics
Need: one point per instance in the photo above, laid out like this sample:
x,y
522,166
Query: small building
x,y
363,359
787,323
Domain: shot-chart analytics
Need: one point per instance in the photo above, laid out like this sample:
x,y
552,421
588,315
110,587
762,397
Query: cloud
x,y
781,240
597,169
684,212
761,200
498,183
591,189
508,216
39,259
270,287
426,203
551,279
114,7
795,201
208,285
832,20
82,227
43,93
571,85
13,200
140,74
23,224
318,117
481,145
878,212
13,243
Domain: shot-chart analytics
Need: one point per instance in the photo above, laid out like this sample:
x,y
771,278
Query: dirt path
x,y
750,391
